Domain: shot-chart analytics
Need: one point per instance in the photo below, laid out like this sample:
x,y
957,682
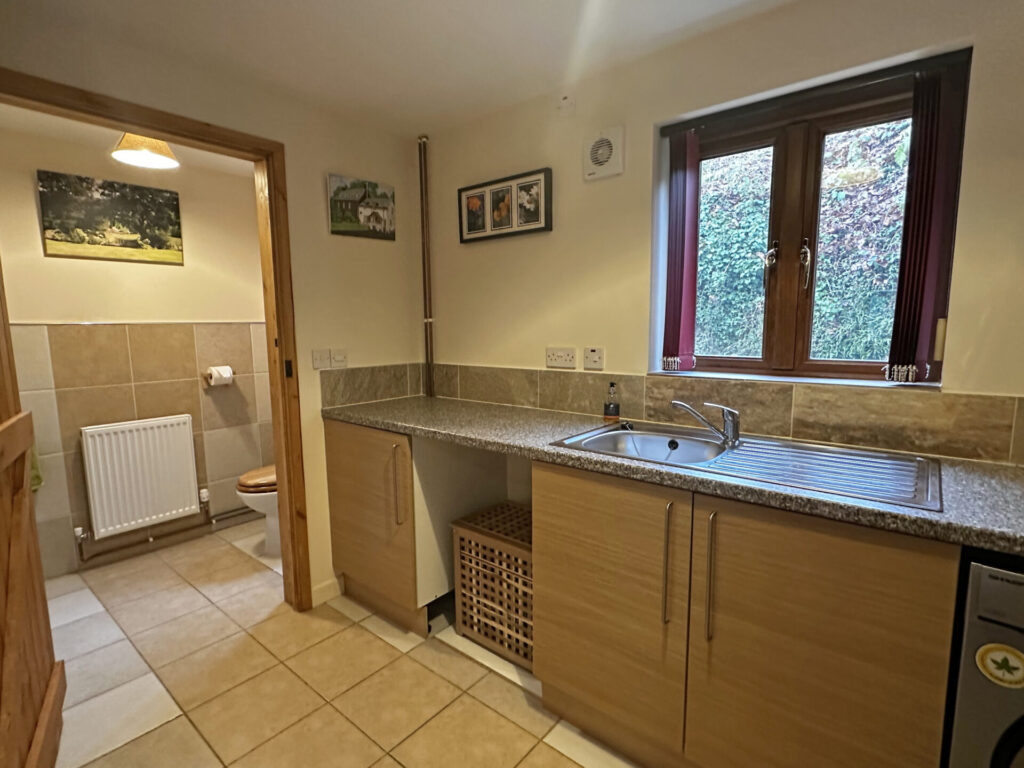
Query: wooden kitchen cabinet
x,y
369,484
611,572
814,642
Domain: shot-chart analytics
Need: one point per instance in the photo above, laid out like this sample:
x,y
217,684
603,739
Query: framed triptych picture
x,y
515,205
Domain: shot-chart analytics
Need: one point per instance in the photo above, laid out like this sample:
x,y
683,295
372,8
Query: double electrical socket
x,y
565,357
330,358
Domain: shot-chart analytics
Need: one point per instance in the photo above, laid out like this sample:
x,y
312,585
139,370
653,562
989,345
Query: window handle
x,y
807,260
768,260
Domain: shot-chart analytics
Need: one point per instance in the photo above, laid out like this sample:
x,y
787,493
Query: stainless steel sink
x,y
902,479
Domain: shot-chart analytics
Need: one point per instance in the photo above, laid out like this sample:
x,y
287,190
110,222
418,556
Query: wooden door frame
x,y
267,156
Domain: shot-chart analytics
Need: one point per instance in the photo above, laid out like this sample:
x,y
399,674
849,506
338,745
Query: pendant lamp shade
x,y
144,152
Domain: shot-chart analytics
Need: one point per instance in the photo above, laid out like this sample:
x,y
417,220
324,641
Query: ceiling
x,y
420,64
103,140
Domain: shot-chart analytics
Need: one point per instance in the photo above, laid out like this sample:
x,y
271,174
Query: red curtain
x,y
681,272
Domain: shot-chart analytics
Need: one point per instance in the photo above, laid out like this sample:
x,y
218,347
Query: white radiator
x,y
139,473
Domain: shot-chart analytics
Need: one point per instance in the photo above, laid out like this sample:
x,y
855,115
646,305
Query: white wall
x,y
588,282
351,292
219,281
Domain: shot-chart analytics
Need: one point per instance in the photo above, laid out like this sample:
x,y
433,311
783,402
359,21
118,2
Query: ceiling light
x,y
144,152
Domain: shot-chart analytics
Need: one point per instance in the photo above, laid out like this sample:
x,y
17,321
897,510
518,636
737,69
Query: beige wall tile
x,y
231,452
324,739
89,355
446,380
162,351
258,339
200,452
223,496
1017,452
51,500
906,419
344,386
765,407
224,344
169,398
267,443
32,357
262,382
78,499
57,547
587,392
511,386
90,406
229,406
45,424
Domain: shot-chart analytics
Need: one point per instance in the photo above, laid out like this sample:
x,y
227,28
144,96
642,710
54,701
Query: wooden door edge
x,y
46,739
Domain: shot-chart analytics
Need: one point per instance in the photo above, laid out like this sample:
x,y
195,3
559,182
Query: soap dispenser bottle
x,y
611,404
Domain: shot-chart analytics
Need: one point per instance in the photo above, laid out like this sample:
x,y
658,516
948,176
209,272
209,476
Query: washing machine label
x,y
1002,664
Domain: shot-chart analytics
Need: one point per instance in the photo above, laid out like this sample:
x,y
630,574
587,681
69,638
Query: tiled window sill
x,y
919,385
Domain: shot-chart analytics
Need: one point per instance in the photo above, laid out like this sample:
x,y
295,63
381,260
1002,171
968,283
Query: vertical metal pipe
x,y
428,311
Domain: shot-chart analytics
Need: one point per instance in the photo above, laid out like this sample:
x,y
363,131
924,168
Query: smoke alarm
x,y
604,154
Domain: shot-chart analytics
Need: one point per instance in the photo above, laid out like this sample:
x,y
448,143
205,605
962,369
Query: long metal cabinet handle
x,y
394,480
664,563
709,575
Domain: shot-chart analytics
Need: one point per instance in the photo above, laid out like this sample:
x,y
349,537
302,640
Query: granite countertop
x,y
983,503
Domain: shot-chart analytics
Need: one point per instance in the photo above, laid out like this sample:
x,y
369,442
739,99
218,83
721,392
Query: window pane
x,y
735,198
860,231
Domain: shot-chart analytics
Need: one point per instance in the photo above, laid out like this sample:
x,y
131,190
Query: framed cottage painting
x,y
87,218
515,205
360,208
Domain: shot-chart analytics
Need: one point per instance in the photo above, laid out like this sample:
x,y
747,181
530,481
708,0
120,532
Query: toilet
x,y
257,489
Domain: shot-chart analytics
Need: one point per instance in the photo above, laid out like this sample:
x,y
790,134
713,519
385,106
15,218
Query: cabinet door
x,y
814,642
369,485
611,573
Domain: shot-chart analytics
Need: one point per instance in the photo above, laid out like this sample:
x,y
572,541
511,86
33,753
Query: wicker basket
x,y
494,580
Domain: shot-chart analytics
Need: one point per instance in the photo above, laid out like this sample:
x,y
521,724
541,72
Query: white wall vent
x,y
604,154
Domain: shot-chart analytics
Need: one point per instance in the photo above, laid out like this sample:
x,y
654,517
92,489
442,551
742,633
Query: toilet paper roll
x,y
219,375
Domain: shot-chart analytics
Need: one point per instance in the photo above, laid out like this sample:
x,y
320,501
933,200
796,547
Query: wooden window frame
x,y
795,126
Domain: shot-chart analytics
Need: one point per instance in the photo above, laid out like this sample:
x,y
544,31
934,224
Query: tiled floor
x,y
189,657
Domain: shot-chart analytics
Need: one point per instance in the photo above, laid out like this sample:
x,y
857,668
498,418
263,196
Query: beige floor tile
x,y
210,671
575,744
387,762
255,605
176,744
131,579
338,663
465,733
350,607
188,548
72,606
246,716
394,702
290,632
491,660
448,663
156,608
105,722
324,739
246,574
85,635
543,756
179,637
100,670
522,708
256,547
236,532
61,585
193,564
402,639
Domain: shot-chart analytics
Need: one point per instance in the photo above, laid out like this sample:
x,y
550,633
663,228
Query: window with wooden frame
x,y
812,234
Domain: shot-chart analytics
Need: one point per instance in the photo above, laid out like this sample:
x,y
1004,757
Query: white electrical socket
x,y
339,358
560,357
321,359
593,358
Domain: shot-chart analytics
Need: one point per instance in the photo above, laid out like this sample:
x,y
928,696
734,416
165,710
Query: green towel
x,y
35,477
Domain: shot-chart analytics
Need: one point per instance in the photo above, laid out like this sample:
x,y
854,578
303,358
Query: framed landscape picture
x,y
514,205
361,208
87,218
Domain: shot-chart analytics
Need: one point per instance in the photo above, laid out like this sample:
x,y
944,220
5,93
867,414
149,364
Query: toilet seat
x,y
262,480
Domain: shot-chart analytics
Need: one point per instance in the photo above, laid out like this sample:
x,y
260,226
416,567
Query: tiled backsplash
x,y
72,376
348,386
